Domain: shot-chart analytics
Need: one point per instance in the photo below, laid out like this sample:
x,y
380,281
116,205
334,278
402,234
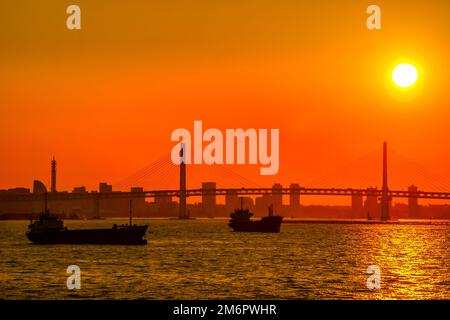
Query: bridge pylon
x,y
183,214
385,201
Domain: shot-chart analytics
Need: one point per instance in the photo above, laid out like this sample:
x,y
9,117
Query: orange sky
x,y
105,99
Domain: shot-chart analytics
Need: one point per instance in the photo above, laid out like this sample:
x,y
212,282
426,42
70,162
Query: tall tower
x,y
385,190
53,186
182,207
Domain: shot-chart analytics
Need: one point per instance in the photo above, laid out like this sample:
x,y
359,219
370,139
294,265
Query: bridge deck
x,y
221,192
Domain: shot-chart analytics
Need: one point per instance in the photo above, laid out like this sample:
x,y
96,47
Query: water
x,y
202,259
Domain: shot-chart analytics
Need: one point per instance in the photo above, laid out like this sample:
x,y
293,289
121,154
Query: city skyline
x,y
162,175
370,203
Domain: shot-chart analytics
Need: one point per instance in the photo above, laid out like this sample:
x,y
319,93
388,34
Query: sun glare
x,y
405,75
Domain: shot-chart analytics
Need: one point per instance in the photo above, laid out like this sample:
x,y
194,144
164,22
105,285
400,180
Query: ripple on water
x,y
202,259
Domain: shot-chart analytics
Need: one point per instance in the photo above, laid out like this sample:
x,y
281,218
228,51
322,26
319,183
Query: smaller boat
x,y
241,221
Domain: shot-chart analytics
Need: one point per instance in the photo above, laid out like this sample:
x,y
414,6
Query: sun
x,y
405,75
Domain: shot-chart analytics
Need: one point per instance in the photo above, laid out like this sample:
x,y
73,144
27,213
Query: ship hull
x,y
266,225
123,235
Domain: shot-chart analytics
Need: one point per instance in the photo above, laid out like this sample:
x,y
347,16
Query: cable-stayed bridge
x,y
164,171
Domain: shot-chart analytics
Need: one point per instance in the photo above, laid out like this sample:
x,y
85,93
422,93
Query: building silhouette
x,y
104,187
294,199
357,206
277,197
413,203
231,200
39,187
81,189
209,198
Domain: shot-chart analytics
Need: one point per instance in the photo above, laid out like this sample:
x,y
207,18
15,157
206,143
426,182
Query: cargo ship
x,y
241,221
49,229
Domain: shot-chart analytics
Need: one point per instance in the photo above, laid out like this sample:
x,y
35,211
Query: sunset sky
x,y
104,99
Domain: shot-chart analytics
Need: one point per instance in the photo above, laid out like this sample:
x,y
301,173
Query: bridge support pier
x,y
183,214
